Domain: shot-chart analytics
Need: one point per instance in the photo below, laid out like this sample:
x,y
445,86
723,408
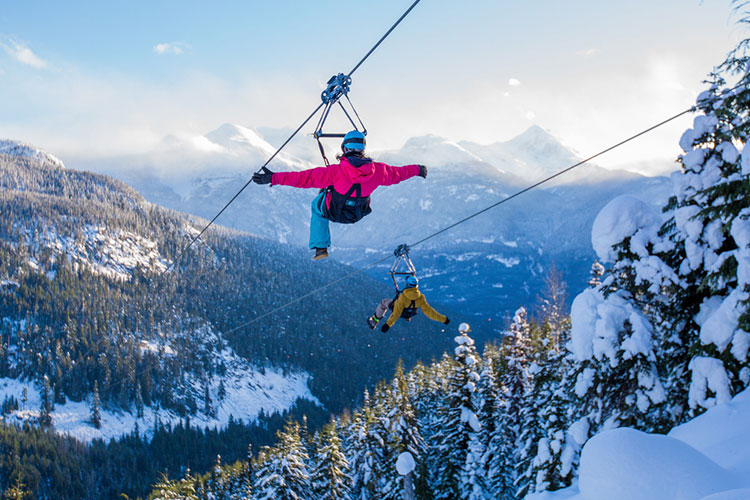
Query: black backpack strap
x,y
395,297
356,189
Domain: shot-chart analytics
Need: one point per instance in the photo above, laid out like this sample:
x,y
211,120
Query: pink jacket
x,y
341,176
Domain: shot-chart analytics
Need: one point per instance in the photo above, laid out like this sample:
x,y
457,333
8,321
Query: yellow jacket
x,y
420,301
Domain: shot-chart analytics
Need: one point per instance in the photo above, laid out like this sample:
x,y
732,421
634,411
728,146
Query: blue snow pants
x,y
320,231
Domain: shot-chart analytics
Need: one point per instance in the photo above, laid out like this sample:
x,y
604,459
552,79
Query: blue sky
x,y
90,78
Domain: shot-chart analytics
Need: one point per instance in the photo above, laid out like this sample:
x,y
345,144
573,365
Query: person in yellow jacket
x,y
405,305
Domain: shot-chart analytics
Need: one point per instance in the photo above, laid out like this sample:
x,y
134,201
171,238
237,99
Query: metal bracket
x,y
401,250
337,86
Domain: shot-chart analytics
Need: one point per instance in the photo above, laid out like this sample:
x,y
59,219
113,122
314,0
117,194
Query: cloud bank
x,y
21,53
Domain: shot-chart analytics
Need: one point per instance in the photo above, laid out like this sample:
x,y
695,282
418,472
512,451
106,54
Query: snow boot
x,y
320,253
372,322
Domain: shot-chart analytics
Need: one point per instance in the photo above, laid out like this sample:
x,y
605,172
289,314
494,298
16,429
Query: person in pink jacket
x,y
345,187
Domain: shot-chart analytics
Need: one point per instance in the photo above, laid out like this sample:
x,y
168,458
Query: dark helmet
x,y
411,281
353,141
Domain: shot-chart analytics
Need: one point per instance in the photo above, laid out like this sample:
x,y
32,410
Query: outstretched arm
x,y
312,178
393,175
428,310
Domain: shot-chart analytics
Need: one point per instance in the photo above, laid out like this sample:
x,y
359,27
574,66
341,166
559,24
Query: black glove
x,y
385,328
447,320
422,171
263,178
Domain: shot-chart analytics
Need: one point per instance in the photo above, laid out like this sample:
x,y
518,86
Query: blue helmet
x,y
411,281
353,141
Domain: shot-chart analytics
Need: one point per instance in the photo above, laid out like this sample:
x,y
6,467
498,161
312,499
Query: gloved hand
x,y
263,177
447,320
422,171
385,328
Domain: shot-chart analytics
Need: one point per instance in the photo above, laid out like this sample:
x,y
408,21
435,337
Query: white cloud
x,y
175,48
530,115
513,82
588,52
21,53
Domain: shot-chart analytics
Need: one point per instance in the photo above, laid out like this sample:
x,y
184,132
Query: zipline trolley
x,y
337,87
402,266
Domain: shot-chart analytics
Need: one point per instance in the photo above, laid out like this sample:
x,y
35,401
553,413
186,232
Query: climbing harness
x,y
346,208
338,86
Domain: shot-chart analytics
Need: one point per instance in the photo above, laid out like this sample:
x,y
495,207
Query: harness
x,y
407,312
345,208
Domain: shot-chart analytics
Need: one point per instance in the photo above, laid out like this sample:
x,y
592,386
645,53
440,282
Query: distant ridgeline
x,y
84,302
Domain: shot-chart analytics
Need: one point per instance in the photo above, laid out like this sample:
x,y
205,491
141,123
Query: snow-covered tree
x,y
488,409
404,436
330,478
283,475
457,450
96,414
45,412
513,381
367,449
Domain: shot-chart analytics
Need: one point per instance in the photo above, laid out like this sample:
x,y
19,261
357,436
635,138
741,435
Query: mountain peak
x,y
535,136
21,150
234,137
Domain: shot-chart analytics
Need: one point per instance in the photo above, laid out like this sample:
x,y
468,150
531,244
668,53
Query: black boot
x,y
320,253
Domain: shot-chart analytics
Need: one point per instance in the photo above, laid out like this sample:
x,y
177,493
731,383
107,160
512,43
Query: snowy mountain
x,y
20,150
532,155
82,258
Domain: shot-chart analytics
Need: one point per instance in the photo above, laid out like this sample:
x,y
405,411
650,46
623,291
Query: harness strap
x,y
322,151
356,189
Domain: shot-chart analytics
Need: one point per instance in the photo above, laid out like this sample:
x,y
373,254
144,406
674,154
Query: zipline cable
x,y
436,233
369,53
384,37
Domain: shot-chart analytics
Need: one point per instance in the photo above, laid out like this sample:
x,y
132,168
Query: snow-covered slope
x,y
21,150
112,252
707,458
242,393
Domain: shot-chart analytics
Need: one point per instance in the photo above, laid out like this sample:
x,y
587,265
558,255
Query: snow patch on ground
x,y
707,458
249,390
112,253
626,464
506,261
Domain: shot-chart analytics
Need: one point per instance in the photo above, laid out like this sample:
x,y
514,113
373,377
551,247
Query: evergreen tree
x,y
45,412
330,480
96,415
513,380
404,436
16,492
138,401
367,452
457,450
283,475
